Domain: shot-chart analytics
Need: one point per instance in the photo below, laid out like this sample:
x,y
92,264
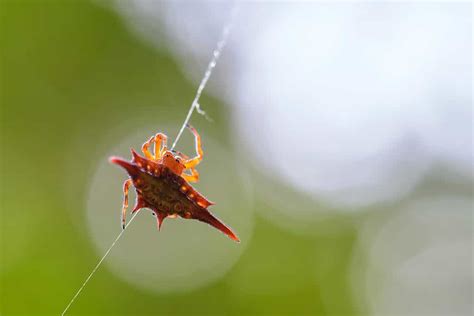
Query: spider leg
x,y
193,177
159,140
126,186
160,145
191,163
146,148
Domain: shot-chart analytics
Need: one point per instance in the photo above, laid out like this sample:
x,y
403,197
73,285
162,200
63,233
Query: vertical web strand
x,y
210,67
194,106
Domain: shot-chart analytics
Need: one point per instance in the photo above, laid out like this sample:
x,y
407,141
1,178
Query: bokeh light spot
x,y
185,254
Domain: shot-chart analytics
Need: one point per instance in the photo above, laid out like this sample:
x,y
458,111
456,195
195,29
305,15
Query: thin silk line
x,y
195,105
210,67
98,265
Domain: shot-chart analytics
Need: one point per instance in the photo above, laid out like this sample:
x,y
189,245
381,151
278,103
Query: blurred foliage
x,y
71,68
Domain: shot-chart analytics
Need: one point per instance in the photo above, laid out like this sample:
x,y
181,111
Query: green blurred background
x,y
72,76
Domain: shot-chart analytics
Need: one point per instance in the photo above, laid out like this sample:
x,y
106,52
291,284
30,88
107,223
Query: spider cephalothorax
x,y
162,184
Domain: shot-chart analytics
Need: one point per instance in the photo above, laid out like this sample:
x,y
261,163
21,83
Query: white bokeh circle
x,y
348,103
417,261
185,254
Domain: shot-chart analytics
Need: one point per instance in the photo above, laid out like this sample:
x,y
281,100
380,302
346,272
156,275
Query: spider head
x,y
173,162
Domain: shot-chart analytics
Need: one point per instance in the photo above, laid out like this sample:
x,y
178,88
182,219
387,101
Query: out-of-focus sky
x,y
340,151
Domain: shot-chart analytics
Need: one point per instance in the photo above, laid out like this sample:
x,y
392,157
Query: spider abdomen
x,y
168,194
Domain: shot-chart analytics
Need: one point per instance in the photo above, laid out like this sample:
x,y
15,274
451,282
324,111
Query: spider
x,y
162,184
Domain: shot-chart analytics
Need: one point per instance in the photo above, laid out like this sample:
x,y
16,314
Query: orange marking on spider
x,y
162,185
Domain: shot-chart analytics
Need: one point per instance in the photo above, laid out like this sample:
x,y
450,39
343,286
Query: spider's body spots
x,y
167,194
162,184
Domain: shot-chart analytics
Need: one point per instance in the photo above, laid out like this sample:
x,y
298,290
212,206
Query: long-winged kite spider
x,y
163,186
